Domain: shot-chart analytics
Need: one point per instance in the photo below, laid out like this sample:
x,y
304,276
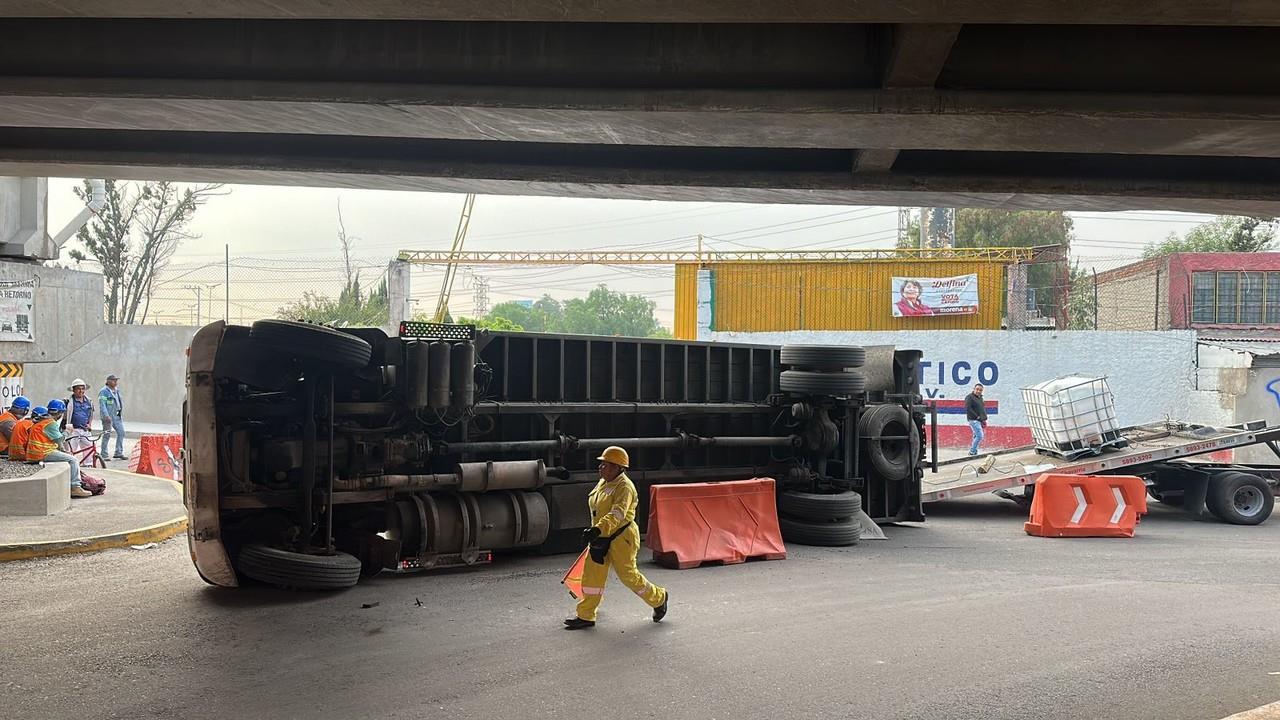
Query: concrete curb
x,y
1266,712
95,543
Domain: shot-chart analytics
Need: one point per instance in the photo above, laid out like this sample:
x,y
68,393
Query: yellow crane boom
x,y
451,259
456,257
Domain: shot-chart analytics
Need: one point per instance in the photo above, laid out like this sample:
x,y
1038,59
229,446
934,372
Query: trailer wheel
x,y
832,358
822,383
819,506
1239,498
890,458
823,534
299,571
312,344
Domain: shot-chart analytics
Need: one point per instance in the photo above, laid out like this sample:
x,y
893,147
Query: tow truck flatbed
x,y
1149,444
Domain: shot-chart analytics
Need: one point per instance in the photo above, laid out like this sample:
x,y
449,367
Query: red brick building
x,y
1228,293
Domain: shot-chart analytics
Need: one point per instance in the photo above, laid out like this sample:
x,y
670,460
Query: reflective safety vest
x,y
39,445
18,440
7,421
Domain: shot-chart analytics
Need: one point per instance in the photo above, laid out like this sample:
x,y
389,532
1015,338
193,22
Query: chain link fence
x,y
243,290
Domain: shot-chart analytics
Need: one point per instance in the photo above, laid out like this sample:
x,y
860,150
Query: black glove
x,y
590,534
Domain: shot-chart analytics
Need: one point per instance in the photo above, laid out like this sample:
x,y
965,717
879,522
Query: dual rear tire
x,y
823,519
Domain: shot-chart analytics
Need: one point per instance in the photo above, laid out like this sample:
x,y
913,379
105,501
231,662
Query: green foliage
x,y
133,237
1226,233
545,315
1082,309
487,322
601,312
605,312
353,308
980,227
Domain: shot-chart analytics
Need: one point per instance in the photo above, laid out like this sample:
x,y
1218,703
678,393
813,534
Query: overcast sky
x,y
299,225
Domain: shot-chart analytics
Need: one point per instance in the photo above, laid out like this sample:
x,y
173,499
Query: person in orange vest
x,y
22,433
9,419
613,541
43,446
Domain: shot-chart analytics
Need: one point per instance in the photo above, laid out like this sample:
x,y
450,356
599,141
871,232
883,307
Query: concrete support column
x,y
398,293
706,304
24,209
1016,298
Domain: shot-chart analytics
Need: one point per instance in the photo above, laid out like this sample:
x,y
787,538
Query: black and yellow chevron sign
x,y
10,370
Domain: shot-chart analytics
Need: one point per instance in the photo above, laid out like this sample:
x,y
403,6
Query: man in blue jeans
x,y
975,410
112,416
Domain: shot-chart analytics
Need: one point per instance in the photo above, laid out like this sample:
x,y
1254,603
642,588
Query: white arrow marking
x,y
1080,504
1120,505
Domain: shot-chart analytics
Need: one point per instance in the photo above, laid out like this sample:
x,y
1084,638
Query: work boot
x,y
577,623
79,492
661,611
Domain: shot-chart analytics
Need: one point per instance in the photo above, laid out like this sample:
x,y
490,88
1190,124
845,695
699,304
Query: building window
x,y
1235,298
1203,307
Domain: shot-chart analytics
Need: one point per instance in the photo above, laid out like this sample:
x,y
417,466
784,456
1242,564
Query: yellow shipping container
x,y
856,295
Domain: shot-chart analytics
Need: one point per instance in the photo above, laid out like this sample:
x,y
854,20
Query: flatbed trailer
x,y
1170,456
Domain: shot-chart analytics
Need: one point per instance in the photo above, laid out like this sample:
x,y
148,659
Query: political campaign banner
x,y
926,296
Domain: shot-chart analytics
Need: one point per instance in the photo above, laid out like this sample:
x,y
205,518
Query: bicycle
x,y
83,445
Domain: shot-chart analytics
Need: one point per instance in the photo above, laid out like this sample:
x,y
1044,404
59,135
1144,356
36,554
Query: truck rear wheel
x,y
1239,498
299,571
823,358
819,506
822,383
824,534
891,458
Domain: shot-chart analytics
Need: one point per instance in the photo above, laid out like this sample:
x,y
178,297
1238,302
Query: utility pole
x,y
199,301
226,268
480,299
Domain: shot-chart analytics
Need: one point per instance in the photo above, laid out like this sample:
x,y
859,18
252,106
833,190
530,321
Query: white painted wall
x,y
1152,375
151,361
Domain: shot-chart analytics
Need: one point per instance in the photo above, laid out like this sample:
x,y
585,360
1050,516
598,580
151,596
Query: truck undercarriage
x,y
315,454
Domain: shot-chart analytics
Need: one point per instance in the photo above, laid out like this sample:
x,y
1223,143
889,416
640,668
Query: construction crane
x,y
452,259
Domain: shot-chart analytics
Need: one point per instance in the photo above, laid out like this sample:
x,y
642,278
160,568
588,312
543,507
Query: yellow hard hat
x,y
615,455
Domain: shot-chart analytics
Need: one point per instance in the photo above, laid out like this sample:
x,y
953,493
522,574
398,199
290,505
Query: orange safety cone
x,y
573,576
1086,506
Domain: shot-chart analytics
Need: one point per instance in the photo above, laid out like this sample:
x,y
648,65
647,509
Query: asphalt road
x,y
963,617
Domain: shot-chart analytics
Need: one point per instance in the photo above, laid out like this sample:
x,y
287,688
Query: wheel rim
x,y
894,449
1248,501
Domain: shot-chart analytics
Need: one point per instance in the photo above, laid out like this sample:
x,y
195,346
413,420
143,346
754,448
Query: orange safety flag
x,y
573,576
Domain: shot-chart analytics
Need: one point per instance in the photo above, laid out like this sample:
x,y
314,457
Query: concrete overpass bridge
x,y
1090,104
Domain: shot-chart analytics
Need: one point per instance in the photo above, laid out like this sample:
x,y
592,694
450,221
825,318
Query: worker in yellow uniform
x,y
613,541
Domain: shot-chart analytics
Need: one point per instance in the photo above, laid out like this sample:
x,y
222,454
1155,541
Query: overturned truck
x,y
314,455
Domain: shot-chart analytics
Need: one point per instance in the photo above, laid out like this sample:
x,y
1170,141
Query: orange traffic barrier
x,y
1086,506
149,456
725,522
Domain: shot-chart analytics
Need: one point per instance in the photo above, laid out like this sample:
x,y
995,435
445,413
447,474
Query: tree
x,y
489,322
601,312
1226,233
605,312
1082,306
134,236
545,315
981,227
352,308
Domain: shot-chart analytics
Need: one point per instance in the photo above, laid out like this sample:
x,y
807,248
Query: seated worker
x,y
9,418
43,446
22,434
